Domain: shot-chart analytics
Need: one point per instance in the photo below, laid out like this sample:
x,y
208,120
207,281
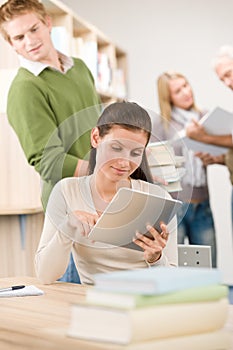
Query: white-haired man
x,y
223,66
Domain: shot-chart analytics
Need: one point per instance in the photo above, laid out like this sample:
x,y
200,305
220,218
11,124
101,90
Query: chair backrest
x,y
194,255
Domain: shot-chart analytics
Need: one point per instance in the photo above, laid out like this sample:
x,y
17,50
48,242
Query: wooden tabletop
x,y
41,322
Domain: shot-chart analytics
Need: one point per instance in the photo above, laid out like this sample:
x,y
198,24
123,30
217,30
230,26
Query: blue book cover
x,y
156,280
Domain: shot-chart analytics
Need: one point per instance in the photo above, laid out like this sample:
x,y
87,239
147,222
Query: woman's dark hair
x,y
130,116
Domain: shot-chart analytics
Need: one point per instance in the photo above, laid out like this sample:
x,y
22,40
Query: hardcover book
x,y
156,280
130,301
136,325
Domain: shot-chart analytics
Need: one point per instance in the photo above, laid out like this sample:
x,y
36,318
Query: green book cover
x,y
128,301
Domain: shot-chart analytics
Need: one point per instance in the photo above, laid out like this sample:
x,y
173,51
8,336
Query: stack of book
x,y
165,165
158,308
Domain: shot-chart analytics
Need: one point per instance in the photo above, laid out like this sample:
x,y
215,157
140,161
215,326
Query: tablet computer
x,y
130,211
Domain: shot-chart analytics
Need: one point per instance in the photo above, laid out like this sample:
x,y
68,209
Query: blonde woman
x,y
177,109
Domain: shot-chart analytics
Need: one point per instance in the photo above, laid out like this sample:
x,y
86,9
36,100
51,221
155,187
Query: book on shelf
x,y
61,39
90,57
125,326
104,73
86,50
77,47
129,301
156,280
216,122
119,83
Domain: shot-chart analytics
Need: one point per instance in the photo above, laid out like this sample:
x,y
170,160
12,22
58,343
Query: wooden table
x,y
41,322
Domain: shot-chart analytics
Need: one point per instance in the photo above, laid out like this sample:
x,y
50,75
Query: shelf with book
x,y
75,36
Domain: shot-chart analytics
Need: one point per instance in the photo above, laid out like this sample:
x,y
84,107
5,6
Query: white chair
x,y
194,255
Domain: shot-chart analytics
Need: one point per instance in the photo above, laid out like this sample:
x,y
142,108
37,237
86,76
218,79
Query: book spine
x,y
204,341
200,294
176,320
145,324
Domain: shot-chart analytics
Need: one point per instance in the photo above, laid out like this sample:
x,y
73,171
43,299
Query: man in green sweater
x,y
52,103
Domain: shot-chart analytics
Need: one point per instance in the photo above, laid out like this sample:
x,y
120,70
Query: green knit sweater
x,y
51,118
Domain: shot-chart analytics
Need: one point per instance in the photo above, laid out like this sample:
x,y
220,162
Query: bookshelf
x,y
76,37
21,214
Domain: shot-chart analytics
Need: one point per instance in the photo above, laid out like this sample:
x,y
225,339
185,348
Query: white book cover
x,y
216,122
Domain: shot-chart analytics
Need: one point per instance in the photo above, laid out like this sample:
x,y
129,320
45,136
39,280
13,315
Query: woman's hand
x,y
81,223
158,180
208,159
154,246
196,131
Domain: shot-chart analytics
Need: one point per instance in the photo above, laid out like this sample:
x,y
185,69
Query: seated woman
x,y
117,159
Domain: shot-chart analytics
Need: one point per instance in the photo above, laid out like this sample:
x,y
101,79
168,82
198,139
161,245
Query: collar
x,y
183,116
37,67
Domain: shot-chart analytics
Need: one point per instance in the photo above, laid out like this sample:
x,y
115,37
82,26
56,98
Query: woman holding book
x,y
178,109
117,159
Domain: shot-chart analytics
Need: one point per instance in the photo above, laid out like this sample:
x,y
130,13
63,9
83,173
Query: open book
x,y
130,211
216,122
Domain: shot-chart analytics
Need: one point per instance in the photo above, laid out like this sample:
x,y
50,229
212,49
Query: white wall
x,y
162,34
180,35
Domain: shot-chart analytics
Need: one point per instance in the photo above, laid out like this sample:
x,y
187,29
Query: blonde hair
x,y
164,95
14,8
